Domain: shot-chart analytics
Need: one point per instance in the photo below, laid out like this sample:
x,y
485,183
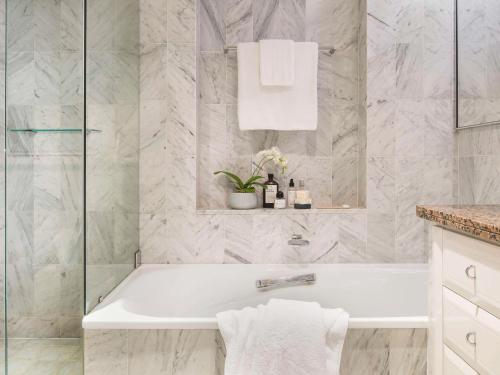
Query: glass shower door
x,y
44,130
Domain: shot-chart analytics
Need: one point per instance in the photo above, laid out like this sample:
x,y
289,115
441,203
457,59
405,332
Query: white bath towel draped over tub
x,y
278,107
283,338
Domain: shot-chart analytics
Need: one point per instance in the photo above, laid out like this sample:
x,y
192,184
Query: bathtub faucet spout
x,y
309,278
297,240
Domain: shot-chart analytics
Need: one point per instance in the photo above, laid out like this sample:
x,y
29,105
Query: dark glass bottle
x,y
270,192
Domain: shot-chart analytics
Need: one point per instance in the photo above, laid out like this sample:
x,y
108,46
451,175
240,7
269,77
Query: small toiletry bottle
x,y
291,193
303,197
270,192
280,200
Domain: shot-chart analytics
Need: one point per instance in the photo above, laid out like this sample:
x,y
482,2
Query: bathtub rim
x,y
211,323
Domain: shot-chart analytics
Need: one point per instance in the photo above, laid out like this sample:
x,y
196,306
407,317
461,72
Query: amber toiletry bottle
x,y
270,192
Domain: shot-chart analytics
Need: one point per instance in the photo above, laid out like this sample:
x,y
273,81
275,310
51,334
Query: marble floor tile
x,y
45,356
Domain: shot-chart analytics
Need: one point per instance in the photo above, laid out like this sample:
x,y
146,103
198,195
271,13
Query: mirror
x,y
477,62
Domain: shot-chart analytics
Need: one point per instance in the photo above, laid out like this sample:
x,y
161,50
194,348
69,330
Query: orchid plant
x,y
264,157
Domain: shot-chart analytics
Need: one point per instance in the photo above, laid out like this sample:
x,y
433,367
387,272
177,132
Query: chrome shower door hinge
x,y
137,259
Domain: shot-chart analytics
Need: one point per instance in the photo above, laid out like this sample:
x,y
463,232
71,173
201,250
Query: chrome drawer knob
x,y
471,338
470,272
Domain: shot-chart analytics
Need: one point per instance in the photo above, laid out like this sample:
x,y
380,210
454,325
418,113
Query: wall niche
x,y
332,159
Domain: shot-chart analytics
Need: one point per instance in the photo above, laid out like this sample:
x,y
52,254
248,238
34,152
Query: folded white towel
x,y
283,337
277,62
274,107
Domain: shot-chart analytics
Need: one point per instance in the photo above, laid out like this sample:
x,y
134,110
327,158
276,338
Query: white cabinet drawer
x,y
472,268
488,342
458,266
459,324
488,281
454,365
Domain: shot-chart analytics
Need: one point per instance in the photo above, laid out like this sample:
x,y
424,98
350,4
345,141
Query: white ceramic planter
x,y
243,201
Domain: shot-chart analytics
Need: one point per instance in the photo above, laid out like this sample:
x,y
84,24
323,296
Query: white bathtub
x,y
189,296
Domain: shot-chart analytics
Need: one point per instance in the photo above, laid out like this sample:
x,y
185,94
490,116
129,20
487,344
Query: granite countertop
x,y
478,221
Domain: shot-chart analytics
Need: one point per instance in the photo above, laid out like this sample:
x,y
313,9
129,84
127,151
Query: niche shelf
x,y
285,211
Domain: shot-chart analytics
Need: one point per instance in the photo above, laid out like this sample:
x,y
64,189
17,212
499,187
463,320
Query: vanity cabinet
x,y
466,277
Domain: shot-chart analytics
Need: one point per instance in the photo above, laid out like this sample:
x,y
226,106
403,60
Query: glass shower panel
x,y
2,188
112,152
44,185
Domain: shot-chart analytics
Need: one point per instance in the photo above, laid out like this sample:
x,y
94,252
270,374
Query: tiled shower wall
x,y
113,151
44,171
327,159
411,155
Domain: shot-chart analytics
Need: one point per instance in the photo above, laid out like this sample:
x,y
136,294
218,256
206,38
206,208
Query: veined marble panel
x,y
186,352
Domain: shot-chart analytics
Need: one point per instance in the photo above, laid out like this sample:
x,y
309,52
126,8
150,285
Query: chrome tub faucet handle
x,y
297,240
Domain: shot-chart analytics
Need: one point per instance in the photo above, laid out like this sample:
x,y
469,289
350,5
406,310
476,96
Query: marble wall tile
x,y
238,19
466,180
99,13
21,78
71,25
410,130
366,351
33,327
381,190
153,21
20,184
212,22
212,83
409,70
20,241
153,144
20,21
47,25
492,71
292,19
153,231
438,78
195,239
126,28
438,178
100,82
266,19
106,352
126,77
19,117
353,237
319,27
381,238
381,127
239,239
47,290
345,181
212,191
21,289
174,351
439,128
408,351
485,182
231,78
181,21
438,21
153,84
71,81
181,78
483,140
